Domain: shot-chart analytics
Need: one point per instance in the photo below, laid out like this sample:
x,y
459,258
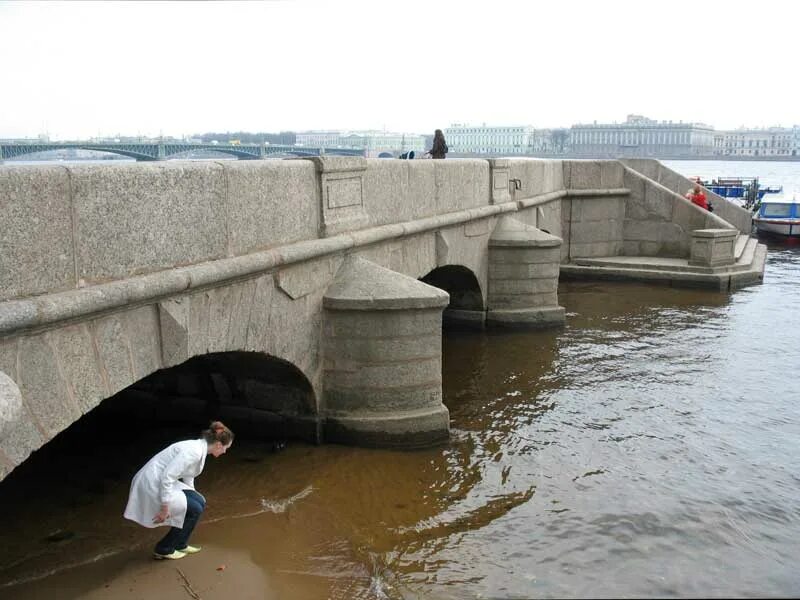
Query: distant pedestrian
x,y
162,492
439,149
698,197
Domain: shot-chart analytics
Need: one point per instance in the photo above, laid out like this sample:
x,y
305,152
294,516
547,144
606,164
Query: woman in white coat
x,y
162,492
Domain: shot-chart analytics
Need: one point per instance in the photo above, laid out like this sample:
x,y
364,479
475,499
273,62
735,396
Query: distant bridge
x,y
166,150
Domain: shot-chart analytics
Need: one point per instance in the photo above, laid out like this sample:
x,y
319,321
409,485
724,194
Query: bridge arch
x,y
61,374
239,152
252,392
120,151
466,305
33,150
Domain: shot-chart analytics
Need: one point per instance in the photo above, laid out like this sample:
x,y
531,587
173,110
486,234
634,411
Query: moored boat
x,y
746,189
779,216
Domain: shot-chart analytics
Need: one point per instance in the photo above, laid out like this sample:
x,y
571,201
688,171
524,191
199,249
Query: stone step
x,y
718,281
741,242
656,263
745,257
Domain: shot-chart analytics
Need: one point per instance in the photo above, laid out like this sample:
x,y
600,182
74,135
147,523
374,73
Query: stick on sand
x,y
188,586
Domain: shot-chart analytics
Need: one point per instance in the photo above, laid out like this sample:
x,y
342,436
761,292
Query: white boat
x,y
779,216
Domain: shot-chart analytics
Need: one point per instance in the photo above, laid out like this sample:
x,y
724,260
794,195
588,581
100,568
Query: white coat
x,y
162,481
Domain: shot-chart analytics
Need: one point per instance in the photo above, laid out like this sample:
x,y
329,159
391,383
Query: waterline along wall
x,y
340,267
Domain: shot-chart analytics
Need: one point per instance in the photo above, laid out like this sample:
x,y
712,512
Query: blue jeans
x,y
178,538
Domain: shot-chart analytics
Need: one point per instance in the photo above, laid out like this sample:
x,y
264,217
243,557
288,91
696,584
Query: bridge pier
x,y
382,345
523,276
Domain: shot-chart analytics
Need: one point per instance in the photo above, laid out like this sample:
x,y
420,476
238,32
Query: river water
x,y
648,448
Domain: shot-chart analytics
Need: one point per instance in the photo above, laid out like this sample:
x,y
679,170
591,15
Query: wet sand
x,y
215,572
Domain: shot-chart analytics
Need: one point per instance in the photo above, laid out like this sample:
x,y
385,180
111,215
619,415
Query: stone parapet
x,y
713,247
731,212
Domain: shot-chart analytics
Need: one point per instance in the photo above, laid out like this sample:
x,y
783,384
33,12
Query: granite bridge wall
x,y
111,273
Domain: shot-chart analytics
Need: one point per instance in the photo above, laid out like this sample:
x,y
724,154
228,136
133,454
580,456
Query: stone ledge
x,y
659,263
416,429
527,318
598,192
722,281
567,193
472,319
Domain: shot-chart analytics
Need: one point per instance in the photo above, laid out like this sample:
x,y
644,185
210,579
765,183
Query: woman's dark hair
x,y
439,148
217,432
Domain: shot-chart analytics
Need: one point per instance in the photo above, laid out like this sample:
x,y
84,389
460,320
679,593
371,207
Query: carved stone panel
x,y
341,181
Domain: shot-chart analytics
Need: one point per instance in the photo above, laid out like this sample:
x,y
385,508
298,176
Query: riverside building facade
x,y
772,141
322,139
377,142
490,139
642,137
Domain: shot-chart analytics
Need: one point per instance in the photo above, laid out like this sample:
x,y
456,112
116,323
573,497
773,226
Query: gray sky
x,y
77,69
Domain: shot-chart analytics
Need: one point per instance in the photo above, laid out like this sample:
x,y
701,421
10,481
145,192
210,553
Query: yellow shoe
x,y
174,555
190,549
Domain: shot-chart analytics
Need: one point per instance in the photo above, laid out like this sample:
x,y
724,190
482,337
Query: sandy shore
x,y
215,572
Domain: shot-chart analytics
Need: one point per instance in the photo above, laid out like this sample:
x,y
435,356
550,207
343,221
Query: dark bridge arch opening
x,y
67,498
266,401
466,307
253,393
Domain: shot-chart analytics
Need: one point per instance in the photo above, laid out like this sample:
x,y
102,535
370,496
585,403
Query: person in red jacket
x,y
698,196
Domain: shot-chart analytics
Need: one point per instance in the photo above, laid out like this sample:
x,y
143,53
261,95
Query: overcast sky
x,y
75,70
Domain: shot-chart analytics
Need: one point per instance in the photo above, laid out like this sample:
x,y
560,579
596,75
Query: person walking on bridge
x,y
162,492
439,149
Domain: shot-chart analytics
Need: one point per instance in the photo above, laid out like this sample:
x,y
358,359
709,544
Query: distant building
x,y
323,139
375,142
772,141
493,139
640,136
796,140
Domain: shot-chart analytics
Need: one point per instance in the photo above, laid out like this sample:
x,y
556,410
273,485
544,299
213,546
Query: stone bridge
x,y
305,298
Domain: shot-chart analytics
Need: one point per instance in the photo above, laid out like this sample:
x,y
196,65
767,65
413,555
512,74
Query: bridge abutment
x,y
382,348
